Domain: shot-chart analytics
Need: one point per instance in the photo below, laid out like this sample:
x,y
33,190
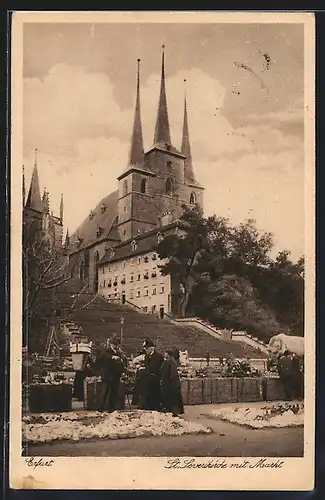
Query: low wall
x,y
197,391
221,390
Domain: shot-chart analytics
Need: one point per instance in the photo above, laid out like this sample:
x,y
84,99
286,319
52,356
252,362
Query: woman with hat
x,y
171,384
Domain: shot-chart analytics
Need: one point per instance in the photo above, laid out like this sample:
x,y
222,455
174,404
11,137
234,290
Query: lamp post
x,y
121,329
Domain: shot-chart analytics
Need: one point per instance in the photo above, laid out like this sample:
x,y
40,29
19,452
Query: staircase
x,y
99,319
70,328
224,334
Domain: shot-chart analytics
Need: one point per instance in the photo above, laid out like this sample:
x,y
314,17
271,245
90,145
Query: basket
x,y
79,353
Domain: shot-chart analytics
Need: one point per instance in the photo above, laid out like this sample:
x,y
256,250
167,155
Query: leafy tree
x,y
286,294
249,247
183,250
231,302
227,274
215,257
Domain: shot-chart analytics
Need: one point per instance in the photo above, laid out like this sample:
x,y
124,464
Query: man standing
x,y
285,371
112,367
153,362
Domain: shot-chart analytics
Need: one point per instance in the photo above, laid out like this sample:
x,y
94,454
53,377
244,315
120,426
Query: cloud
x,y
83,134
69,104
289,120
210,131
251,186
83,179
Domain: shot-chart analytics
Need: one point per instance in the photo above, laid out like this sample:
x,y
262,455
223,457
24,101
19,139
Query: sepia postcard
x,y
162,300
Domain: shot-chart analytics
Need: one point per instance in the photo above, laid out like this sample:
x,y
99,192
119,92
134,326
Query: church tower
x,y
33,209
36,212
133,182
158,182
193,190
165,161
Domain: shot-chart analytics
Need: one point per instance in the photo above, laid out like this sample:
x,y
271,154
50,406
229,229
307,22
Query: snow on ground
x,y
277,415
75,426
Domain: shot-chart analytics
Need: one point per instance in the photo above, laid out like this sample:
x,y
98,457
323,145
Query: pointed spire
x,y
162,132
136,150
34,196
23,187
186,147
61,209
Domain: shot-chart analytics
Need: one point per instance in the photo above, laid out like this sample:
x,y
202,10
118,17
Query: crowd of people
x,y
157,382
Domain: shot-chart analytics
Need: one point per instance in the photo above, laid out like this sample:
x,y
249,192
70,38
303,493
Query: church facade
x,y
113,251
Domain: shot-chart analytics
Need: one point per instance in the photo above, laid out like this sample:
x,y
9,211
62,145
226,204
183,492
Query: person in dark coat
x,y
140,379
78,383
171,384
150,397
297,377
112,367
286,373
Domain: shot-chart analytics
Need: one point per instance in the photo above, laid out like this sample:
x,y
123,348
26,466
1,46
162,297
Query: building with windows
x,y
113,251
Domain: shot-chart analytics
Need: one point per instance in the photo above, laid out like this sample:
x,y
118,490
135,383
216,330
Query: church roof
x,y
142,169
166,148
145,242
103,216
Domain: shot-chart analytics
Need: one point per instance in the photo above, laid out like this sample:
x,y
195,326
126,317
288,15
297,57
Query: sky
x,y
245,99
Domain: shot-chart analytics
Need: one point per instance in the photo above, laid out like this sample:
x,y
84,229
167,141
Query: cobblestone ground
x,y
227,440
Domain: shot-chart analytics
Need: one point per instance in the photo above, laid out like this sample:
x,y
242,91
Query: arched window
x,y
96,257
143,186
169,186
192,199
125,187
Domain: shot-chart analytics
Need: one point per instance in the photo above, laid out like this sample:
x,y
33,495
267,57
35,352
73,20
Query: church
x,y
37,213
113,252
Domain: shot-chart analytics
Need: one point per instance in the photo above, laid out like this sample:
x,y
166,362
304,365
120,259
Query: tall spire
x,y
34,196
186,147
136,150
162,132
23,187
61,209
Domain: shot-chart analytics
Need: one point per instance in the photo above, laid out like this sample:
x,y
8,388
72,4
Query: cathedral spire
x,y
186,147
162,132
136,150
61,209
34,196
